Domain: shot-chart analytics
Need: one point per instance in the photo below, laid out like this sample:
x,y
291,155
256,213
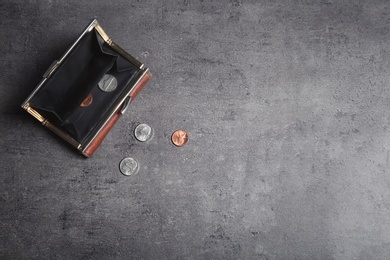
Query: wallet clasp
x,y
126,104
51,69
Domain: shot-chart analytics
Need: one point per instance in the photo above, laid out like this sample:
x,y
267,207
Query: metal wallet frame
x,y
120,104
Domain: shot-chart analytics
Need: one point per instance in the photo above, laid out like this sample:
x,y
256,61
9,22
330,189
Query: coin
x,y
143,132
128,166
108,83
179,138
87,101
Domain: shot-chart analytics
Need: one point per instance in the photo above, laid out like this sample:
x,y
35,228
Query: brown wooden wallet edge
x,y
91,148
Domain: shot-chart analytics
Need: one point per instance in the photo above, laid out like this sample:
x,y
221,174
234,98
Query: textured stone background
x,y
287,107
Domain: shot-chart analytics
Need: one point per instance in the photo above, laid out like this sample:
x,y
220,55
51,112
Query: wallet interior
x,y
78,76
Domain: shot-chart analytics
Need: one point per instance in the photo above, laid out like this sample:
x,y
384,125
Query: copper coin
x,y
87,101
179,138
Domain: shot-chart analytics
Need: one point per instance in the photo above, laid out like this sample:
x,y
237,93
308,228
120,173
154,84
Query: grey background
x,y
286,105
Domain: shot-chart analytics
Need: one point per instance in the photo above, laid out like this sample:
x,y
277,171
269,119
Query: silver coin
x,y
128,166
143,132
108,83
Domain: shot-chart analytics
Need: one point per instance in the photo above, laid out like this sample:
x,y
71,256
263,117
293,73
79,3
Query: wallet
x,y
84,93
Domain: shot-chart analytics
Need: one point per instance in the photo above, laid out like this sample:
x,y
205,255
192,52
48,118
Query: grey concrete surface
x,y
287,107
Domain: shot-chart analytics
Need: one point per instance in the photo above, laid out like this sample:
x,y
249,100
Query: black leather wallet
x,y
83,94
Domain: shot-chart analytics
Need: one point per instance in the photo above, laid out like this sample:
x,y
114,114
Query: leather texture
x,y
111,122
77,77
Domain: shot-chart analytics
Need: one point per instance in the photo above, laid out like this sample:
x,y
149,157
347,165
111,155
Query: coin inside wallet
x,y
92,68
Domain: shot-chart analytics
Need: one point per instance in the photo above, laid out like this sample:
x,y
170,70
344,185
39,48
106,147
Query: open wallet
x,y
85,92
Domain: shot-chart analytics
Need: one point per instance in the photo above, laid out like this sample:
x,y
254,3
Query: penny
x,y
143,132
179,138
87,101
128,166
108,83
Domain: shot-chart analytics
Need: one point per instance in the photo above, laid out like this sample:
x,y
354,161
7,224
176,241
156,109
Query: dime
x,y
108,83
143,132
87,101
179,138
128,166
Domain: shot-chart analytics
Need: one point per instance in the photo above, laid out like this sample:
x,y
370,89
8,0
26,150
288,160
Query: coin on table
x,y
87,101
128,166
108,83
179,138
143,132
